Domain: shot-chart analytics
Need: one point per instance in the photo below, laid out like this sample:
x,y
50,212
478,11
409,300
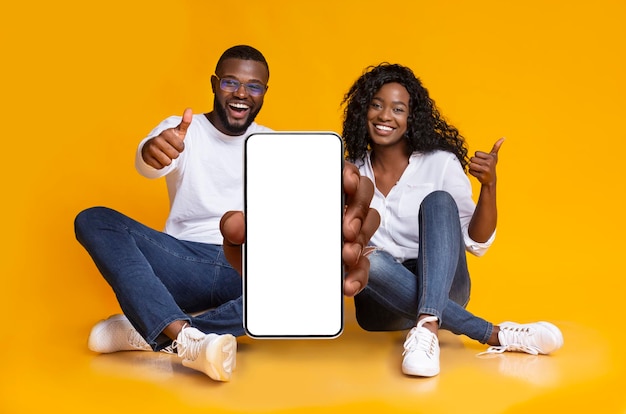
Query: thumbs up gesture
x,y
158,152
483,165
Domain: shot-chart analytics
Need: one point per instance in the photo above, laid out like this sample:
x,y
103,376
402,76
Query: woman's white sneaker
x,y
532,338
212,354
421,351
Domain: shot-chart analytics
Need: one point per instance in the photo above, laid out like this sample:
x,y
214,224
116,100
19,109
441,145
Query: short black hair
x,y
243,52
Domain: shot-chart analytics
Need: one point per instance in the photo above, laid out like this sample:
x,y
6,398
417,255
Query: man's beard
x,y
234,129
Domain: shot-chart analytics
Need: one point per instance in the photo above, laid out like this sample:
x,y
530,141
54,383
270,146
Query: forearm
x,y
485,217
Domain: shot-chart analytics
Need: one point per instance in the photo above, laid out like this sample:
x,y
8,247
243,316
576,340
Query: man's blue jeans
x,y
159,279
436,283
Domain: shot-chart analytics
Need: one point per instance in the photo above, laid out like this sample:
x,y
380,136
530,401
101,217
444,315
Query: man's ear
x,y
214,81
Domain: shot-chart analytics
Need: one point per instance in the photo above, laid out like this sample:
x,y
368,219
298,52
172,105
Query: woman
x,y
418,271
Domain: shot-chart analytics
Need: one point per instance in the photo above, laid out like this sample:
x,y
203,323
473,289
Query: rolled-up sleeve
x,y
474,247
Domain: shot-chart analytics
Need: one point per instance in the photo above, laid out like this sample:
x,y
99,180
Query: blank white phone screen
x,y
292,269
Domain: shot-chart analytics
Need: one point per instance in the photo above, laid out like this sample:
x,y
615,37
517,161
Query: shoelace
x,y
422,342
517,338
190,349
136,340
168,349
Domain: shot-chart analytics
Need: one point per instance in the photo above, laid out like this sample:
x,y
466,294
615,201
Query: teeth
x,y
239,105
384,128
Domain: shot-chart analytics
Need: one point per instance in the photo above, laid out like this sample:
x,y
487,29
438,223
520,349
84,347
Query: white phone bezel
x,y
288,231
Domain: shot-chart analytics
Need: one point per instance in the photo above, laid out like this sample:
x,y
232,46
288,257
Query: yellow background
x,y
83,82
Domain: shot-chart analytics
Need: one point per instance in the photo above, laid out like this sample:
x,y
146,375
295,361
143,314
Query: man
x,y
166,281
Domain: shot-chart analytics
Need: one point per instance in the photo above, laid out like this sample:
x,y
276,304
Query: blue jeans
x,y
436,283
159,279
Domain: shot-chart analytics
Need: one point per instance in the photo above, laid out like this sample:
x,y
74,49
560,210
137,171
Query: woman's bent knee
x,y
441,202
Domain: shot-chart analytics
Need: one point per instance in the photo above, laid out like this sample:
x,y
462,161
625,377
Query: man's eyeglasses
x,y
233,85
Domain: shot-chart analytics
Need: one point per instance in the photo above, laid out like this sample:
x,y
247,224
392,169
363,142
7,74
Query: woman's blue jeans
x,y
436,283
159,279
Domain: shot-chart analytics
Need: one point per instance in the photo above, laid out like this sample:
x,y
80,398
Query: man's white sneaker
x,y
209,353
116,334
421,351
533,338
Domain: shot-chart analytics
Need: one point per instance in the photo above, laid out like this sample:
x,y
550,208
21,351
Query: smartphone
x,y
293,206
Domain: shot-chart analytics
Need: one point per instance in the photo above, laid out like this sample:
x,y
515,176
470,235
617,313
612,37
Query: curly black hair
x,y
427,131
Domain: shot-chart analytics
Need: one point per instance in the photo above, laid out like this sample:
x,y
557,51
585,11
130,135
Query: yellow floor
x,y
358,372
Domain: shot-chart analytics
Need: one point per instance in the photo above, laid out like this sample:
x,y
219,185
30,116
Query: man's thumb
x,y
184,124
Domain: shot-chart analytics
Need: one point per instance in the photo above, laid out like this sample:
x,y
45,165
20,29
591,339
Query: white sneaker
x,y
209,353
116,334
421,351
532,338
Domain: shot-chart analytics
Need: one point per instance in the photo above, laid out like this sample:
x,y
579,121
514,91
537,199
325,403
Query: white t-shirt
x,y
204,182
398,233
